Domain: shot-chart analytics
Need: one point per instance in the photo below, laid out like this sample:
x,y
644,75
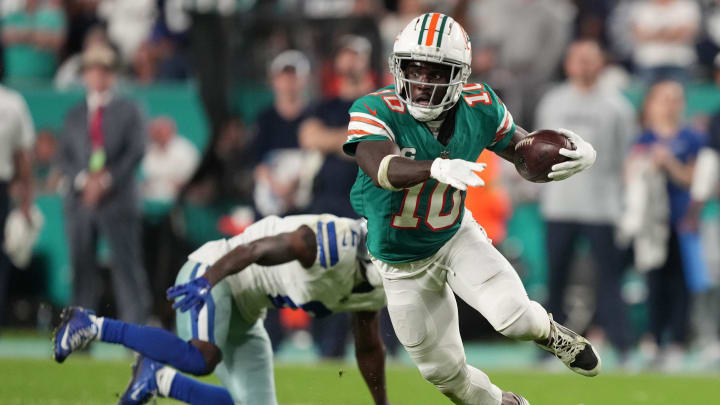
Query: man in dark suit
x,y
102,143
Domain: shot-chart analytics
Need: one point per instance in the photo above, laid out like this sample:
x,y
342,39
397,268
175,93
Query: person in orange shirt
x,y
490,205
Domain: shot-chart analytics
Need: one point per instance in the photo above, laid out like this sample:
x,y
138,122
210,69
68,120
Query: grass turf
x,y
84,381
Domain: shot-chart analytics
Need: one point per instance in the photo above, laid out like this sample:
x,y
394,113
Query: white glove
x,y
582,157
457,173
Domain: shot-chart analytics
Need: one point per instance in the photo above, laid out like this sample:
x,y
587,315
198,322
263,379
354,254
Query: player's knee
x,y
450,382
210,353
526,321
441,375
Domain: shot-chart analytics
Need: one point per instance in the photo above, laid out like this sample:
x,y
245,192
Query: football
x,y
536,154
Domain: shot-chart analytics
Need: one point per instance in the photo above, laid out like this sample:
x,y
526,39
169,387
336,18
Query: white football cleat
x,y
573,350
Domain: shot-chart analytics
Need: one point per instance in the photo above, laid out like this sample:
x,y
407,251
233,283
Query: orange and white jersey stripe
x,y
506,125
362,124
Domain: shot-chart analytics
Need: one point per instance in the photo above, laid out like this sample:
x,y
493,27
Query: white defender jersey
x,y
334,283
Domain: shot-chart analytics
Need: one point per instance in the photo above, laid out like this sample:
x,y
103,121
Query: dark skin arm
x,y
403,172
299,245
370,353
509,152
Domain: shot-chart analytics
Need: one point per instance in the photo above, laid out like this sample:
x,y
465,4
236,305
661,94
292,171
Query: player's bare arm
x,y
401,172
297,245
509,152
370,353
388,170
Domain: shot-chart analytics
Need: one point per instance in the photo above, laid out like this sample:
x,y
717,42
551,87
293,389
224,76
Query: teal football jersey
x,y
414,223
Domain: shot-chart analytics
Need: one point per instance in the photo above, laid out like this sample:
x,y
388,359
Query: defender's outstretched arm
x,y
370,353
297,245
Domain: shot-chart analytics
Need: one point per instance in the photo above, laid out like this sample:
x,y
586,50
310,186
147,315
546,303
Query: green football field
x,y
85,381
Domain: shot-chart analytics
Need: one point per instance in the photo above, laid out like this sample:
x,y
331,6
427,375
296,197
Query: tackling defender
x,y
416,142
314,262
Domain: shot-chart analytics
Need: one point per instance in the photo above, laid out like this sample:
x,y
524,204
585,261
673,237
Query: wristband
x,y
383,174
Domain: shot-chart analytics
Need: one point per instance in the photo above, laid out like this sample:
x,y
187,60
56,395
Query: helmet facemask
x,y
459,73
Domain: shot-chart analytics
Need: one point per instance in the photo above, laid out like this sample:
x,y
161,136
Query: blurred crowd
x,y
639,214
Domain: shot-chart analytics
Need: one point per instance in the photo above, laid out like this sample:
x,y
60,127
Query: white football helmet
x,y
437,38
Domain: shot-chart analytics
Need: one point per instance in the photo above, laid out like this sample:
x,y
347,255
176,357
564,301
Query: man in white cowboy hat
x,y
101,144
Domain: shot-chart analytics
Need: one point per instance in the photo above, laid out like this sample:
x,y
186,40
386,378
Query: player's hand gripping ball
x,y
547,155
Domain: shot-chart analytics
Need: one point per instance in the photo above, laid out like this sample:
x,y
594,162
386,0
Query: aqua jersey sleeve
x,y
483,100
369,116
505,124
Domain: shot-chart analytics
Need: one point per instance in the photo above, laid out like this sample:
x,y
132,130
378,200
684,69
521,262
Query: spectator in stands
x,y
620,32
17,136
591,18
82,17
169,48
144,64
69,74
325,131
588,207
169,162
224,175
102,143
129,24
704,188
392,23
33,37
278,173
707,174
277,176
664,32
277,126
519,59
659,172
207,23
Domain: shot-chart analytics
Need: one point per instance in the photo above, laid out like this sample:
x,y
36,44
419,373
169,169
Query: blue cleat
x,y
142,387
77,328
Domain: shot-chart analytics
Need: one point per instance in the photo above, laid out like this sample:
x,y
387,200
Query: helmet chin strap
x,y
424,114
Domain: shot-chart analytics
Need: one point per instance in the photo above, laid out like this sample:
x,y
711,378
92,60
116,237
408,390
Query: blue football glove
x,y
195,294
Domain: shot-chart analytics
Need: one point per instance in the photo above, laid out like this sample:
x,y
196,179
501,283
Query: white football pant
x,y
424,312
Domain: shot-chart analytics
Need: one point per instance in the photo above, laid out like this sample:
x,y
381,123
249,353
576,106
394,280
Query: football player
x,y
416,142
314,262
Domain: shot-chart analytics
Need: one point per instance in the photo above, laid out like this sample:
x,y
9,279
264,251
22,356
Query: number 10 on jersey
x,y
434,218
